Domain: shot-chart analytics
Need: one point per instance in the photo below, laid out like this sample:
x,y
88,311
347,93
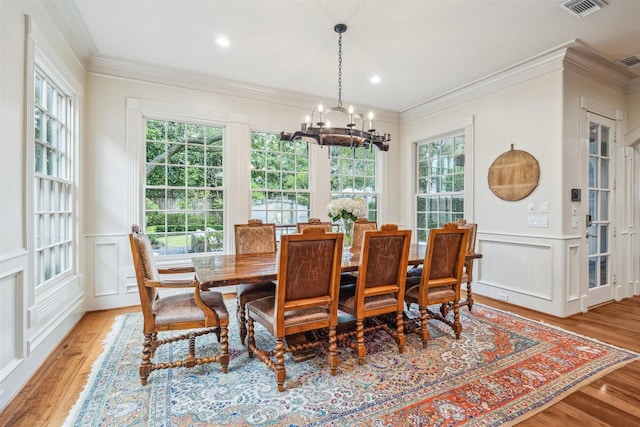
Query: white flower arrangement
x,y
346,208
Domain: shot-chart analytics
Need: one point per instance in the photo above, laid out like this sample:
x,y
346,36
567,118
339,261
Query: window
x,y
279,179
184,197
353,173
53,180
440,184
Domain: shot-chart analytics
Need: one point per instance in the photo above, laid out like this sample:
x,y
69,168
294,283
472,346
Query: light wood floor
x,y
613,400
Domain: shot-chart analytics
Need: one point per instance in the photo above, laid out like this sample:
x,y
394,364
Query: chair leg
x,y
361,350
281,373
224,348
242,319
469,296
154,343
457,326
251,341
190,361
145,366
401,337
424,328
333,351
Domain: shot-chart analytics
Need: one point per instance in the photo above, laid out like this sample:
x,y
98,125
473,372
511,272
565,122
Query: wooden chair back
x,y
443,260
473,230
255,238
383,268
145,268
359,227
315,222
308,279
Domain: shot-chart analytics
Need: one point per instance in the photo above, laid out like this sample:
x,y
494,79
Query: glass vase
x,y
347,228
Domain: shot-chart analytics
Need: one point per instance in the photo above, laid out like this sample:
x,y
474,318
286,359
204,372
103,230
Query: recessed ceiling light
x,y
375,79
223,41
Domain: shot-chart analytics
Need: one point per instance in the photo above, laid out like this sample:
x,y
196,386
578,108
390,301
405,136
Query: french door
x,y
599,220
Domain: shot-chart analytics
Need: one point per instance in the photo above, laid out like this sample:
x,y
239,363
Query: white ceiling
x,y
420,49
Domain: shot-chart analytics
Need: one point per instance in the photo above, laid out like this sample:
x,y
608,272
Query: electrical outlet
x,y
502,296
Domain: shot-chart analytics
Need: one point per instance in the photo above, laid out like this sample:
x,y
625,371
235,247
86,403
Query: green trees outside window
x,y
184,194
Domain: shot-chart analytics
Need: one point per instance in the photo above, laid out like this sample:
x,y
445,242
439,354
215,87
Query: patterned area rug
x,y
503,369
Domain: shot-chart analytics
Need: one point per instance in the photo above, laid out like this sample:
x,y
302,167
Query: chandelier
x,y
353,135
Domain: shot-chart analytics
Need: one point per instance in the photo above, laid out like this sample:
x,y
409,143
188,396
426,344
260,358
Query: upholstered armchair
x,y
199,312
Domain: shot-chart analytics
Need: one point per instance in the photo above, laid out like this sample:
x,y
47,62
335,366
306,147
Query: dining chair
x,y
359,228
306,298
379,288
314,222
440,280
254,237
199,312
467,272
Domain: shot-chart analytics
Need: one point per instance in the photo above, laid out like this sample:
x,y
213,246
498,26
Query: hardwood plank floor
x,y
613,400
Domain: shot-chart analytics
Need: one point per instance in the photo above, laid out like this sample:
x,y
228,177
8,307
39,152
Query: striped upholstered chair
x,y
200,312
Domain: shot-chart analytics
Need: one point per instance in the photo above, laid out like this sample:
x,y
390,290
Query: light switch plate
x,y
544,207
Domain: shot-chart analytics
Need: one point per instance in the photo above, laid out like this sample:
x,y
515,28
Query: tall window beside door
x,y
53,179
279,180
184,196
439,183
353,174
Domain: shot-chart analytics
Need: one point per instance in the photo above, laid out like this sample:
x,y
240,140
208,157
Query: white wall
x,y
114,159
539,108
518,262
32,322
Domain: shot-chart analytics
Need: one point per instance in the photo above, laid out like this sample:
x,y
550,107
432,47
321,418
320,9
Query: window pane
x,y
279,169
52,180
184,163
440,174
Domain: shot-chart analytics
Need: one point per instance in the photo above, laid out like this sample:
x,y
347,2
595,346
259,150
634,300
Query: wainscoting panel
x,y
106,268
521,267
572,281
11,309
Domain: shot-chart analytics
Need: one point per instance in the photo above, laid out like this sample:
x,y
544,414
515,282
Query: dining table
x,y
216,270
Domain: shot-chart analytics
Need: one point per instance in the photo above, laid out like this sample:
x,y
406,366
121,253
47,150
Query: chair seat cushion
x,y
347,300
263,311
465,278
435,293
183,308
414,272
252,291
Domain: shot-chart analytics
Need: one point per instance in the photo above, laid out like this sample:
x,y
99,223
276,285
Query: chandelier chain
x,y
340,70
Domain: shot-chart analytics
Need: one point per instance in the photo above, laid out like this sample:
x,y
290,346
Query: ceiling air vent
x,y
582,8
630,61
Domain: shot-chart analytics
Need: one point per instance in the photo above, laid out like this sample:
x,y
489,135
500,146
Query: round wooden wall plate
x,y
513,175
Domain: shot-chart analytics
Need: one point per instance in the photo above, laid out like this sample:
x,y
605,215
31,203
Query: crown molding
x,y
574,55
71,24
173,77
633,86
585,60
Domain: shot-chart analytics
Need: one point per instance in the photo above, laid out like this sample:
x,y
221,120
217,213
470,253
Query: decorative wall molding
x,y
105,268
55,308
13,255
12,334
600,109
528,270
572,270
